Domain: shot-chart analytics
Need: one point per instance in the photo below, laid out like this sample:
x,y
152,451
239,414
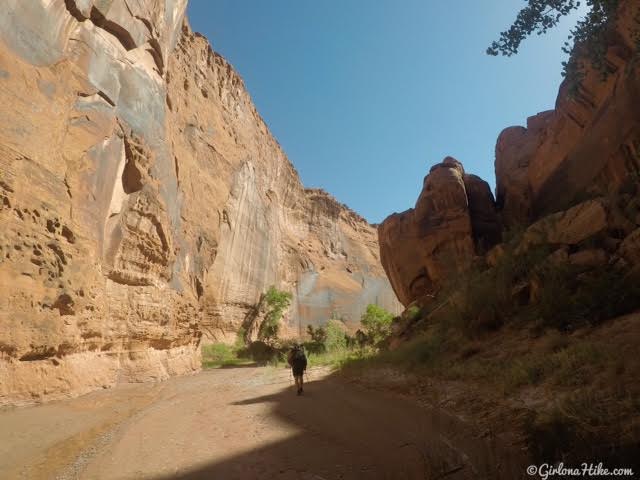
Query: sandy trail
x,y
240,423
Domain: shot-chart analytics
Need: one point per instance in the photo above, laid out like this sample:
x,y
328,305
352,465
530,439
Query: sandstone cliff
x,y
571,179
144,203
454,220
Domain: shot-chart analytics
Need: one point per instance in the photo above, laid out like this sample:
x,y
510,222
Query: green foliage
x,y
336,336
424,351
261,352
477,301
318,335
538,16
241,338
277,302
565,297
333,346
221,355
315,347
589,35
339,358
412,313
377,323
569,300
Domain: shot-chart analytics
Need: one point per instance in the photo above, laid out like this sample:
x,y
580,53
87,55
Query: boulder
x,y
590,258
630,248
569,227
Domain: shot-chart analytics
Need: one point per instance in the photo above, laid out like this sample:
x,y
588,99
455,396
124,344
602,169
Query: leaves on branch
x,y
589,36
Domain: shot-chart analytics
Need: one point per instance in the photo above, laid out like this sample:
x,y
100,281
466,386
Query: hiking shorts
x,y
297,371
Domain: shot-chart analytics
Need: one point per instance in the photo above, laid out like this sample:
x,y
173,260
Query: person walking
x,y
298,362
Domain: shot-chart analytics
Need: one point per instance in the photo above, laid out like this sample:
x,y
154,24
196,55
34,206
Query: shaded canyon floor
x,y
238,423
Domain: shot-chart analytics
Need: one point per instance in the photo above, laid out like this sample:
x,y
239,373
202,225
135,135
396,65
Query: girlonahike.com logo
x,y
545,471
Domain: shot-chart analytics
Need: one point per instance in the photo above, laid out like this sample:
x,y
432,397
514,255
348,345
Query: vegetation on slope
x,y
529,339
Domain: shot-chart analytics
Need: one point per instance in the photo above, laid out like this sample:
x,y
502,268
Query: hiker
x,y
298,362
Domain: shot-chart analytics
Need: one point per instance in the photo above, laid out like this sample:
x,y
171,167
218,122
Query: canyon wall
x,y
145,206
569,180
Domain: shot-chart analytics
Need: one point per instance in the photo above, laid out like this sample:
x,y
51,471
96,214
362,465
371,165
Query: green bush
x,y
568,300
412,313
318,335
336,336
260,352
377,323
424,351
222,355
315,347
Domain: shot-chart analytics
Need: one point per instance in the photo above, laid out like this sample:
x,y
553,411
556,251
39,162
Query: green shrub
x,y
336,336
412,313
318,335
477,301
222,355
377,323
423,351
568,300
260,352
315,347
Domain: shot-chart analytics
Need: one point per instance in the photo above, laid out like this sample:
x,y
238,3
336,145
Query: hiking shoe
x,y
299,391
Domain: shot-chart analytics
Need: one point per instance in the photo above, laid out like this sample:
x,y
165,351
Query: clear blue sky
x,y
366,95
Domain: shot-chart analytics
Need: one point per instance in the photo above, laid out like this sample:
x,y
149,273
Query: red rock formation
x,y
587,147
514,150
419,248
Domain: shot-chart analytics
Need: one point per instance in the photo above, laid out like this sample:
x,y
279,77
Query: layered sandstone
x,y
144,203
571,177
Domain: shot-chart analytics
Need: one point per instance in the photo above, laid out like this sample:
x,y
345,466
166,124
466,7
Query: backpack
x,y
298,358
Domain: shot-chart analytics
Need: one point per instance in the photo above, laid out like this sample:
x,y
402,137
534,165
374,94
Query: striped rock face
x,y
144,204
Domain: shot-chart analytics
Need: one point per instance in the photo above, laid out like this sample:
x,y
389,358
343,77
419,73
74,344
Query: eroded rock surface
x,y
144,203
454,219
587,146
570,177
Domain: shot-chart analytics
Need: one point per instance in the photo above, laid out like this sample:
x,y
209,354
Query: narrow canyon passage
x,y
235,423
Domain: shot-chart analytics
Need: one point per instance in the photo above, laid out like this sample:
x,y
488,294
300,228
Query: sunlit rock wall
x,y
144,203
249,218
